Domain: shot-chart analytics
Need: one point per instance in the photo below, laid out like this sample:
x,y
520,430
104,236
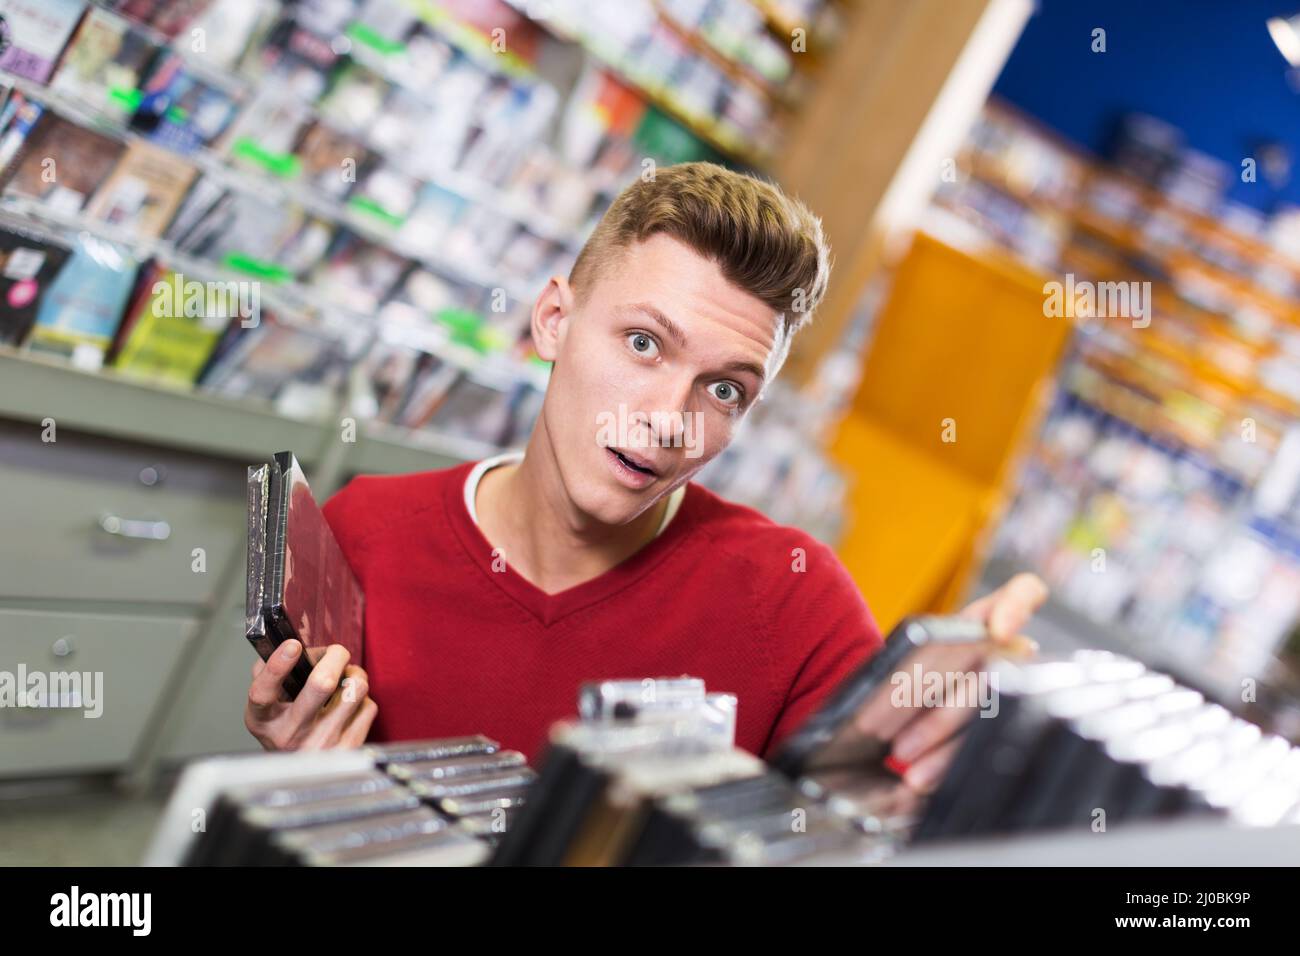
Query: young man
x,y
494,590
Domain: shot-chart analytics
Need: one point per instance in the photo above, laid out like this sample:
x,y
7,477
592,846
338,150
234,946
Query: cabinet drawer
x,y
134,657
88,518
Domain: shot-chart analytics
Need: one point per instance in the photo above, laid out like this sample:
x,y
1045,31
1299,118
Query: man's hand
x,y
927,744
324,714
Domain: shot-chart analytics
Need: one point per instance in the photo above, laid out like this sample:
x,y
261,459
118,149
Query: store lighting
x,y
1286,34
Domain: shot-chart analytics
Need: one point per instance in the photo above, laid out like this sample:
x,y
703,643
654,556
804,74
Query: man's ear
x,y
551,314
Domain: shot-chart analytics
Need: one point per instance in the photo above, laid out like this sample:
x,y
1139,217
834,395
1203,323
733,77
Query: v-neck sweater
x,y
457,642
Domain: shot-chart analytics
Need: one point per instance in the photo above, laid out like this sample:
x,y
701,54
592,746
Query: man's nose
x,y
666,411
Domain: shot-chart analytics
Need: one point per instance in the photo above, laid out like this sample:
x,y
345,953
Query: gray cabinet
x,y
98,567
105,673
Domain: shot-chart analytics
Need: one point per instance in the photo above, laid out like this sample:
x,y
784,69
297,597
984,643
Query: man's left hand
x,y
927,745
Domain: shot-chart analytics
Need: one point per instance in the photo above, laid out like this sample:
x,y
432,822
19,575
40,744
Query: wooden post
x,y
896,93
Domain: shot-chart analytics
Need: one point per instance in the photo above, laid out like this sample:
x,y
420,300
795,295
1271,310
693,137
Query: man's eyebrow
x,y
678,336
669,326
751,367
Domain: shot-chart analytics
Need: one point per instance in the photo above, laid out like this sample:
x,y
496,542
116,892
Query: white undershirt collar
x,y
514,457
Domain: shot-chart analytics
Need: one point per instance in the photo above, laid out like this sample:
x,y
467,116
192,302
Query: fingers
x,y
921,683
358,728
979,610
322,684
355,686
342,706
924,775
265,690
1020,598
1010,607
930,730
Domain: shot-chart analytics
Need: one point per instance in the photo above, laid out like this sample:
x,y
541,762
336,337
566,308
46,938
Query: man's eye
x,y
642,344
725,392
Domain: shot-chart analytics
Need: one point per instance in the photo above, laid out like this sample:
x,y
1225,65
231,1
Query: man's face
x,y
653,372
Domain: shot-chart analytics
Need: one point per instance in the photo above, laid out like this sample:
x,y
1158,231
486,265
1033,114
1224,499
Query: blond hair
x,y
764,241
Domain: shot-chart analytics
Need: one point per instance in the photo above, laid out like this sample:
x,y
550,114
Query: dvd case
x,y
29,265
299,583
348,808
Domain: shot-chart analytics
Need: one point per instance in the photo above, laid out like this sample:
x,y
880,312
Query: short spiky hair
x,y
764,241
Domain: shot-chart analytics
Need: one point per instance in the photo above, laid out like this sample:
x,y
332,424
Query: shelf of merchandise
x,y
432,339
1148,373
479,48
735,69
1224,304
105,402
249,182
287,298
464,38
711,131
1197,370
1086,633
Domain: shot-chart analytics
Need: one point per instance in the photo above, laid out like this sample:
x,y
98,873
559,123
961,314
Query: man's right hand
x,y
323,715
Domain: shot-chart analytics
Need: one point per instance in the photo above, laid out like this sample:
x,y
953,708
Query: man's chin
x,y
621,507
615,505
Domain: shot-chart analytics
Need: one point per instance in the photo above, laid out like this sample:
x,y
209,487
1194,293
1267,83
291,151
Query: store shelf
x,y
249,182
388,449
286,298
106,403
1069,624
1201,369
1130,239
710,131
738,71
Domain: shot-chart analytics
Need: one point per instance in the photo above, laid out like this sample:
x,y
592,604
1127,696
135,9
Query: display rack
x,y
1158,501
565,21
33,388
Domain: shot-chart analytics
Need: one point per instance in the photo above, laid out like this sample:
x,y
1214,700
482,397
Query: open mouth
x,y
634,464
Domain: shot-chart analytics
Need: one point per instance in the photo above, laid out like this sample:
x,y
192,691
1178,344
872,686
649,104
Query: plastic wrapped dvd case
x,y
300,585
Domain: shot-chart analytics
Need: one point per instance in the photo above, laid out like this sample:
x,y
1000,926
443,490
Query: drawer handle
x,y
135,528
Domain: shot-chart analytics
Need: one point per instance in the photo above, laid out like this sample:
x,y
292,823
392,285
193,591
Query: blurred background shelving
x,y
1159,498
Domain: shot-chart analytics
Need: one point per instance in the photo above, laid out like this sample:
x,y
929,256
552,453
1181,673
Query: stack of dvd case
x,y
469,779
300,585
1086,741
646,779
440,802
1098,739
650,775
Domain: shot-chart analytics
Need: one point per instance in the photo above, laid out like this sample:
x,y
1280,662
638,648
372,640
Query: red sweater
x,y
454,647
